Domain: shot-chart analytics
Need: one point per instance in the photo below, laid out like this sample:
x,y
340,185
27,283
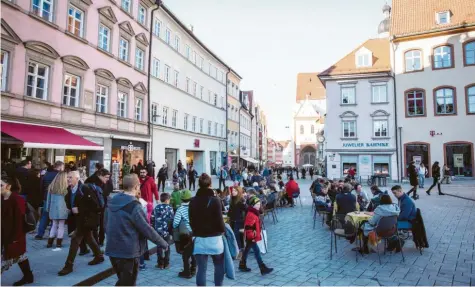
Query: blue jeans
x,y
421,180
202,262
404,225
255,249
237,234
44,220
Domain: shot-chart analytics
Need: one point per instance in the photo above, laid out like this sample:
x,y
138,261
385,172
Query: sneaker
x,y
159,266
185,275
142,267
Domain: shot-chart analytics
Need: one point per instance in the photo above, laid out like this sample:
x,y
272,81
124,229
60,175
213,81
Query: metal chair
x,y
386,230
321,211
272,211
342,226
296,195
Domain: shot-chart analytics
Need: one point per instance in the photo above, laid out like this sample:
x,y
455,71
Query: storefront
x,y
459,158
419,153
131,152
171,160
196,159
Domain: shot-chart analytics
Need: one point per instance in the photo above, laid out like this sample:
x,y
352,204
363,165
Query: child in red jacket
x,y
252,231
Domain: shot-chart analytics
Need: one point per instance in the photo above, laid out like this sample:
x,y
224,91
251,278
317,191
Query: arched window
x,y
445,101
469,53
301,129
415,103
413,60
470,99
443,57
312,129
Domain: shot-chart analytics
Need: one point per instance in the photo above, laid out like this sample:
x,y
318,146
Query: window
x,y
413,60
102,93
215,72
156,68
43,9
216,129
75,21
187,51
201,91
122,105
415,103
193,124
142,14
185,122
302,130
177,43
177,75
124,50
71,90
445,101
209,127
193,57
201,63
443,17
380,128
312,129
442,57
168,35
349,129
126,5
138,109
154,113
470,94
348,96
4,58
220,76
222,102
157,25
201,126
469,53
187,88
379,93
104,37
37,83
222,131
363,60
139,59
215,99
165,116
194,89
174,115
167,74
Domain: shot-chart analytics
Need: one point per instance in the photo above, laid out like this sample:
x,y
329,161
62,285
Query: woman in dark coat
x,y
35,196
13,236
413,179
236,214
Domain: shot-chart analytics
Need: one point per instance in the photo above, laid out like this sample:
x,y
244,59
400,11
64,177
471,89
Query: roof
x,y
411,17
309,84
307,110
192,35
284,144
347,65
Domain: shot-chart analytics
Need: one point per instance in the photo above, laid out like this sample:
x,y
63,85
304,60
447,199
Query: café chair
x,y
342,226
387,229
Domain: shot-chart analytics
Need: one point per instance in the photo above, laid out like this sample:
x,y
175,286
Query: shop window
x,y
347,166
458,157
417,152
381,169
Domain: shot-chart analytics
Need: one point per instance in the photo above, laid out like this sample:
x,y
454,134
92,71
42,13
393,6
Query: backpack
x,y
29,224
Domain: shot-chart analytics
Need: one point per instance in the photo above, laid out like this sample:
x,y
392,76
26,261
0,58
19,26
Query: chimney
x,y
191,28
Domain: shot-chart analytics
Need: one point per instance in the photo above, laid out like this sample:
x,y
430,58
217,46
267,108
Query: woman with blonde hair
x,y
236,213
57,209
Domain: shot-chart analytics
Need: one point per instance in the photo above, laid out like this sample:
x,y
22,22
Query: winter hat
x,y
254,200
186,194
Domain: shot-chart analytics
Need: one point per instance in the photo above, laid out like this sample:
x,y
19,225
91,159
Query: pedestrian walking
x,y
207,225
181,223
192,175
436,177
162,177
252,231
74,186
148,190
35,196
57,209
222,175
447,176
236,214
13,235
127,223
422,172
163,214
412,172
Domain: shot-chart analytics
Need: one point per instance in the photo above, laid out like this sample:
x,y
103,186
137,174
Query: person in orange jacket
x,y
252,231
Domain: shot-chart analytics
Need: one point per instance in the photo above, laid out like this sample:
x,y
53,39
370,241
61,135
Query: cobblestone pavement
x,y
300,254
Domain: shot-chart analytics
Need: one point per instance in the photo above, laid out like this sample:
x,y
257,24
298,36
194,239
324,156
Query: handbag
x,y
262,244
29,224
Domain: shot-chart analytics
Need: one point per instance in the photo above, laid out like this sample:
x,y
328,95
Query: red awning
x,y
34,136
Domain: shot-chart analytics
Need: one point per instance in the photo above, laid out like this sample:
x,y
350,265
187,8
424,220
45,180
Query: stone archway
x,y
308,155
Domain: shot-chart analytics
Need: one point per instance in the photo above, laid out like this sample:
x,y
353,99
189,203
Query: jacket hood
x,y
387,210
119,201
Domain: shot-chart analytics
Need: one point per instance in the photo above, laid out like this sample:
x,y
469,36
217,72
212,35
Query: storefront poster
x,y
458,160
417,160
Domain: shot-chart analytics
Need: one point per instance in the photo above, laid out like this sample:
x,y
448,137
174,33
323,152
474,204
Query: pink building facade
x,y
79,65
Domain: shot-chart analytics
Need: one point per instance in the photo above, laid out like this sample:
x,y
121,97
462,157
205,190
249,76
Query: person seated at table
x,y
375,201
281,182
385,209
272,196
408,213
345,201
322,200
256,187
291,188
361,196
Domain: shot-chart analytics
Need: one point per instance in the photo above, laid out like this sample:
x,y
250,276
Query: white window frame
x,y
446,98
177,77
187,51
126,5
156,68
124,49
187,85
193,124
440,16
363,60
349,122
138,108
142,15
201,63
439,54
139,58
174,118
185,122
72,28
470,99
166,74
201,91
411,56
99,96
380,125
215,129
157,26
69,87
376,89
348,87
35,76
168,35
177,43
414,100
209,128
222,130
5,66
40,12
122,104
201,125
102,35
469,52
154,114
194,88
165,116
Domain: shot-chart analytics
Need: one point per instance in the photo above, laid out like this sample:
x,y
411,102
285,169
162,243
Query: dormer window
x,y
443,17
363,58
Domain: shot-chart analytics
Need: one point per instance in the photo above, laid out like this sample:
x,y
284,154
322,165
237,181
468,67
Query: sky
x,y
268,42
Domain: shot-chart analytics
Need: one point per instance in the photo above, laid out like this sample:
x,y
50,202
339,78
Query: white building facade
x,y
435,76
188,98
245,130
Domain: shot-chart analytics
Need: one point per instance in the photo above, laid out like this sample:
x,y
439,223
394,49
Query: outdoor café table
x,y
359,218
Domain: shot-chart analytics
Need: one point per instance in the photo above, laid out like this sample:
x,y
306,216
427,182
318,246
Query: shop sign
x,y
130,147
458,160
196,143
367,145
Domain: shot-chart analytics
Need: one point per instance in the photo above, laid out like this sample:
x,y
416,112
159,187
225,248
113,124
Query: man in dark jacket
x,y
192,174
74,188
45,182
407,214
126,223
151,168
88,205
345,201
101,178
22,175
413,179
162,177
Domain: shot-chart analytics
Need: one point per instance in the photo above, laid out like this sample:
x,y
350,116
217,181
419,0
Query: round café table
x,y
359,218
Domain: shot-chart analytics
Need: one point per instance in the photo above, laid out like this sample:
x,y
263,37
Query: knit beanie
x,y
254,200
186,194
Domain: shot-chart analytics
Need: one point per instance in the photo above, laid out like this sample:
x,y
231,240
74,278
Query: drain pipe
x,y
149,104
398,140
226,107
